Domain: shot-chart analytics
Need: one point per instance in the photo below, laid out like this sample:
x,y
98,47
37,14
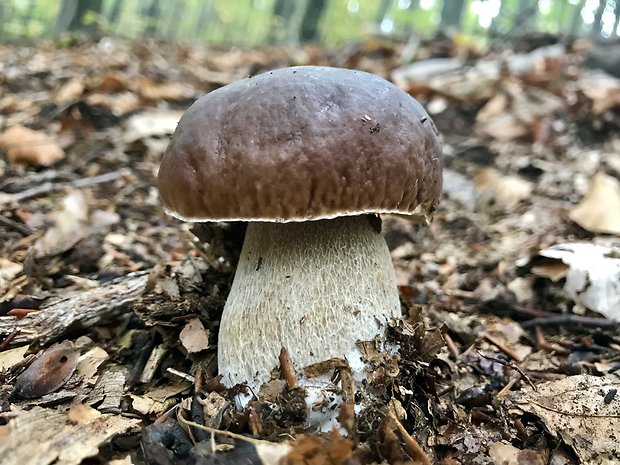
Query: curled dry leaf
x,y
23,145
599,210
505,190
49,372
70,91
504,453
580,411
194,336
592,275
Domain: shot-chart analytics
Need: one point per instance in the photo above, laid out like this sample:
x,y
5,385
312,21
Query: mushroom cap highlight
x,y
299,144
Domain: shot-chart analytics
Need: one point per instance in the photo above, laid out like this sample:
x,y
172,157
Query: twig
x,y
512,365
452,348
543,344
222,432
7,340
413,447
506,389
504,348
48,187
576,320
19,227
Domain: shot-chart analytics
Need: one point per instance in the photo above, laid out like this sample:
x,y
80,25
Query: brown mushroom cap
x,y
302,143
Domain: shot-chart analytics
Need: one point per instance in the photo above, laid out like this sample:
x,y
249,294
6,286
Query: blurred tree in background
x,y
290,22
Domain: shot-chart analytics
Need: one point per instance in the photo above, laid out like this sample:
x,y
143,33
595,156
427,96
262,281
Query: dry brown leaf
x,y
505,190
68,227
314,450
49,372
194,336
8,271
158,400
504,453
10,358
70,91
554,270
112,82
151,90
81,414
602,88
23,145
89,364
582,410
599,210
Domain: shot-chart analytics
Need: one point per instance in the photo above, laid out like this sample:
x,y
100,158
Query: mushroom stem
x,y
315,287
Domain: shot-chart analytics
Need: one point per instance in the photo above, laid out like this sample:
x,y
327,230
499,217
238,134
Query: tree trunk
x,y
576,21
309,30
598,16
617,21
283,11
73,16
452,13
204,17
527,11
115,12
175,18
151,16
384,7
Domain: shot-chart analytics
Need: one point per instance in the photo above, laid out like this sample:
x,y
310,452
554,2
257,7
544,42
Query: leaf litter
x,y
504,356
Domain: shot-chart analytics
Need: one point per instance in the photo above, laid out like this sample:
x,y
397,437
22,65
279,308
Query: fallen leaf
x,y
602,88
580,411
593,275
505,190
70,91
81,414
49,372
504,453
89,364
8,271
10,358
151,90
194,336
599,210
151,124
68,226
23,145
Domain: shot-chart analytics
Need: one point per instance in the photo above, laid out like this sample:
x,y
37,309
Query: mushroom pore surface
x,y
315,288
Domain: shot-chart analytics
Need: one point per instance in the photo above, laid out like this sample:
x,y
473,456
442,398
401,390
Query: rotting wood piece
x,y
77,310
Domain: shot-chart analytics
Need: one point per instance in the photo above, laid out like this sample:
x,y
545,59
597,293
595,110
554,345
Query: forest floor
x,y
510,350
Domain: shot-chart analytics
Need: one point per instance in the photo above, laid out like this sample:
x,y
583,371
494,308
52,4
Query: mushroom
x,y
308,156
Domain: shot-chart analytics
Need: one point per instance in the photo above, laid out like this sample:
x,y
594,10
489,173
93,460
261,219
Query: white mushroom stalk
x,y
285,150
314,287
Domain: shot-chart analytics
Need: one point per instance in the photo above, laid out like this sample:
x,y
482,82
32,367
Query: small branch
x,y
504,348
543,344
512,365
576,320
19,227
413,447
48,187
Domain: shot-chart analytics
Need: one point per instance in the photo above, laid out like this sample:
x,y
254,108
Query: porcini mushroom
x,y
305,155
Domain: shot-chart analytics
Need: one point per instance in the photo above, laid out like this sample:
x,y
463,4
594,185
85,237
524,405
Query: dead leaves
x,y
49,372
583,411
35,148
599,210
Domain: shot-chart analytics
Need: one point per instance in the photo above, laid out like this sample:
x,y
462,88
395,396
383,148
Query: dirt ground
x,y
109,309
